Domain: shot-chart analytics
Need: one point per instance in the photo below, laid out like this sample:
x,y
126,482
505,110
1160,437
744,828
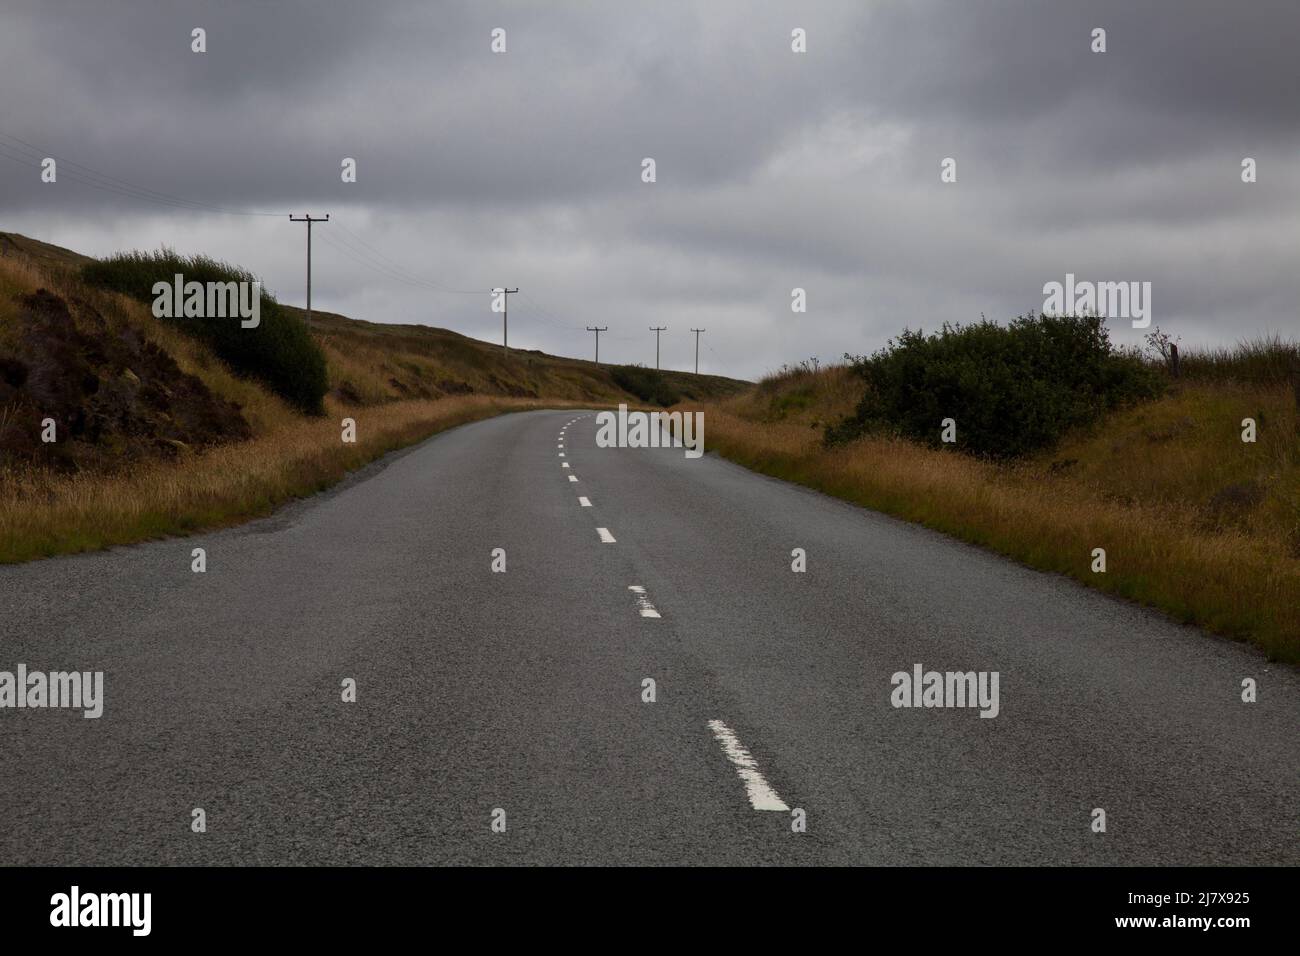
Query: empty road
x,y
520,697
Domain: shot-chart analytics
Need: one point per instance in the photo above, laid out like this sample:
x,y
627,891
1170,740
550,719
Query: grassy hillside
x,y
158,436
371,363
1193,520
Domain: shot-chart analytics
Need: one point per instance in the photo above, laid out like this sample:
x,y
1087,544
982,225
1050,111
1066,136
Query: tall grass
x,y
1263,361
813,396
279,351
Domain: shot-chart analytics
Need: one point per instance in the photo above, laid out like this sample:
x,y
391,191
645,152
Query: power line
x,y
309,220
22,152
723,364
592,328
374,263
397,267
27,153
656,329
697,348
357,255
547,316
30,154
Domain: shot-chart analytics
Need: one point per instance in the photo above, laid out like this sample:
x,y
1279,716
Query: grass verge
x,y
43,514
1238,576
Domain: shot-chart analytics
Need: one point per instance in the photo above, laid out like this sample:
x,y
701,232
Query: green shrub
x,y
647,384
1011,389
279,351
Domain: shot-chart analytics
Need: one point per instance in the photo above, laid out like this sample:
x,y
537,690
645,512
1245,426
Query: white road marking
x,y
561,454
605,536
585,502
643,602
564,464
761,795
573,477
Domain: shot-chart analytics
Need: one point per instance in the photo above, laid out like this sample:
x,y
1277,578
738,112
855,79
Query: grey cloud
x,y
775,170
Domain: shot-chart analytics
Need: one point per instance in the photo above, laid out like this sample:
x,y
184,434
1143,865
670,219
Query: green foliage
x,y
279,351
1011,389
647,384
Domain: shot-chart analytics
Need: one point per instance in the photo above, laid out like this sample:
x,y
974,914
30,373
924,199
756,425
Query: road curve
x,y
519,697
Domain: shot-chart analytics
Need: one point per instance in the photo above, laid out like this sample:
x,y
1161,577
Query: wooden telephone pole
x,y
591,328
309,220
656,329
697,348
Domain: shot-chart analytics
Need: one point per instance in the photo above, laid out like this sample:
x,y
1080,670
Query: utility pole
x,y
591,328
309,220
697,348
505,317
656,329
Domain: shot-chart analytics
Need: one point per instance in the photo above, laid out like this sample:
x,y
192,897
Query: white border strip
x,y
761,795
643,602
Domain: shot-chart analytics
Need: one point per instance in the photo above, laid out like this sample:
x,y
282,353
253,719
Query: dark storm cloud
x,y
774,169
283,93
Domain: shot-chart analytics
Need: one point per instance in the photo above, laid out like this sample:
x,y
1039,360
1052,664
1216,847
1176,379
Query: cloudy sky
x,y
775,169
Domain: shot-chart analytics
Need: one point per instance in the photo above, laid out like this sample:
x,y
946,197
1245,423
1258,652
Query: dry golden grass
x,y
377,368
17,275
1143,486
42,514
263,410
799,397
290,455
371,362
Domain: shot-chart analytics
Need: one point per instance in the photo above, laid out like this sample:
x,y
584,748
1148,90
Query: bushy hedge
x,y
647,384
279,351
1011,389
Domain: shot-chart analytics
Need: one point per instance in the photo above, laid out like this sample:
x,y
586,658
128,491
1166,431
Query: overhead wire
x,y
28,154
350,244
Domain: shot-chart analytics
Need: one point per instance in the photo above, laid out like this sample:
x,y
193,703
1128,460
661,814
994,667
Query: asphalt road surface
x,y
524,691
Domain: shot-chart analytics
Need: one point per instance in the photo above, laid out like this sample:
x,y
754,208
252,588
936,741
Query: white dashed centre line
x,y
605,536
573,477
643,602
585,502
564,464
561,454
761,795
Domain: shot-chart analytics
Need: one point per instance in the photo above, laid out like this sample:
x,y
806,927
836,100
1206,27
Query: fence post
x,y
1173,360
